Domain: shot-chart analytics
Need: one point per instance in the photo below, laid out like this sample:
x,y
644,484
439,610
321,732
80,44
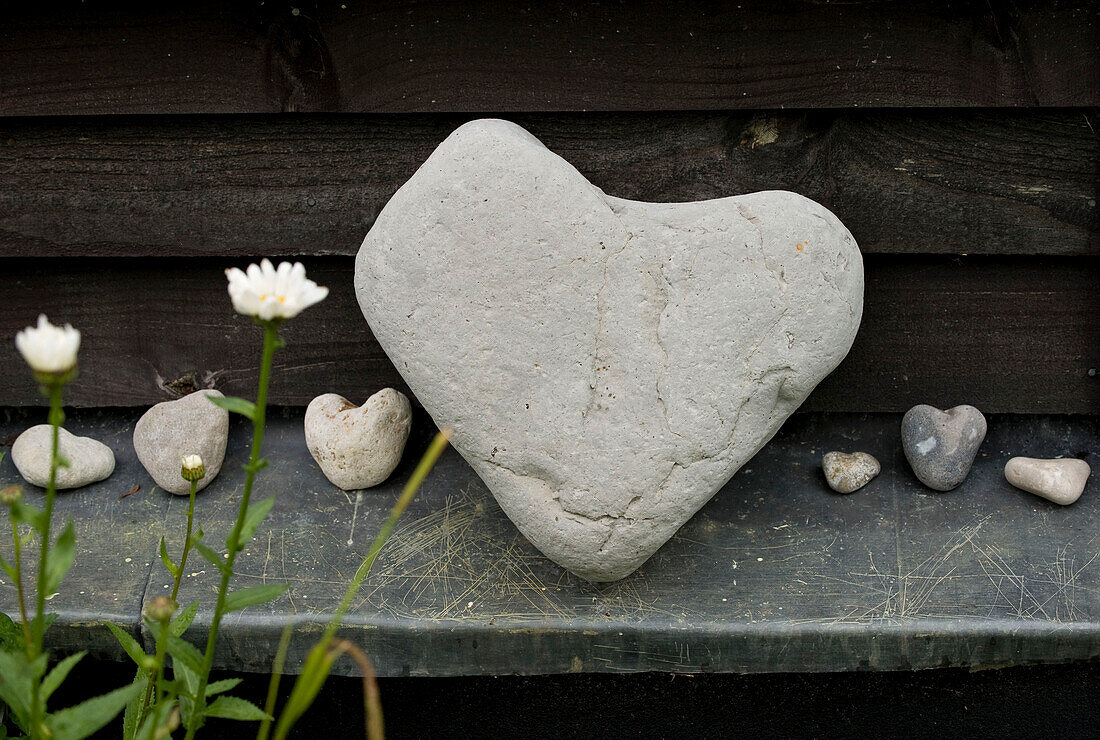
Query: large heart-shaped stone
x,y
605,365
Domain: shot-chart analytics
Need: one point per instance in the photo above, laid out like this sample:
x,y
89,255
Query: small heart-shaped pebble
x,y
358,446
941,445
89,460
1061,481
846,472
191,425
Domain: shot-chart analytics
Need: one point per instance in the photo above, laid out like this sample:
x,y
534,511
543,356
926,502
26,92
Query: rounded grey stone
x,y
89,460
605,365
191,425
941,445
846,472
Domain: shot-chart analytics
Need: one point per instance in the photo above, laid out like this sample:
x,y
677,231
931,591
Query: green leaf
x,y
9,569
134,708
232,707
48,622
60,558
167,560
15,688
184,652
212,557
11,635
131,646
27,513
221,686
235,405
254,595
189,680
252,518
88,717
56,676
314,673
183,620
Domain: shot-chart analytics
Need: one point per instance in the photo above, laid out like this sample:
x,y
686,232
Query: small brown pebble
x,y
849,472
1061,481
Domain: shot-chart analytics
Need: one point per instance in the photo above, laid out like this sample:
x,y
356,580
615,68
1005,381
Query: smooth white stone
x,y
191,425
89,460
605,365
848,472
1061,481
358,446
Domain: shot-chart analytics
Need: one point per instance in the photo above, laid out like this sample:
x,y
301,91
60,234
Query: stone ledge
x,y
776,573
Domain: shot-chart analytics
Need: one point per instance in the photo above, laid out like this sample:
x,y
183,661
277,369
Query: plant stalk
x,y
187,541
56,419
271,341
18,552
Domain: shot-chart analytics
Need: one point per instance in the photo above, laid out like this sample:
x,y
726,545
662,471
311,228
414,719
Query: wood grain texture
x,y
421,55
1003,334
968,182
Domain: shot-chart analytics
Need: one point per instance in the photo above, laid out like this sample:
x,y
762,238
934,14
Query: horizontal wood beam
x,y
417,56
967,182
1006,334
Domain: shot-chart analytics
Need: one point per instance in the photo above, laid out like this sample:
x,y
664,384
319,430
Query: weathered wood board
x,y
1003,333
929,182
412,56
776,573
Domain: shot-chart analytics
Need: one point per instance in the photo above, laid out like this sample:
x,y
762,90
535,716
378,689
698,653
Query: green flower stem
x,y
18,552
56,419
271,342
187,541
158,671
320,657
411,487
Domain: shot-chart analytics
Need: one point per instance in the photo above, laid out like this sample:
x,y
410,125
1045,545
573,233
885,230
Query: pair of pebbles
x,y
191,425
941,446
356,447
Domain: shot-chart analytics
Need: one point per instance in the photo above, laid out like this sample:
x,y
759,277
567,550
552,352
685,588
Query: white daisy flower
x,y
268,293
48,348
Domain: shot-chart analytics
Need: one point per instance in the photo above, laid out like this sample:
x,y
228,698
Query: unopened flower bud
x,y
10,494
160,609
193,469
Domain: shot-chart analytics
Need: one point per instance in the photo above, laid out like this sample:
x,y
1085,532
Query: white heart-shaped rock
x,y
605,365
358,446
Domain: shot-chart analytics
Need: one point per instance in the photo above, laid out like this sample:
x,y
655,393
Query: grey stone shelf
x,y
776,573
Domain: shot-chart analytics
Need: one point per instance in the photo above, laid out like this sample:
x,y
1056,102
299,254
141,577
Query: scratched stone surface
x,y
776,573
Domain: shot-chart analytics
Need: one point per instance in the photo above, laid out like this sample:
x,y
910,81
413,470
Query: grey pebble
x,y
941,445
848,472
191,425
89,460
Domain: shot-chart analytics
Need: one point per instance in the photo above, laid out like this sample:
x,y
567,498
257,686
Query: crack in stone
x,y
666,290
601,311
769,264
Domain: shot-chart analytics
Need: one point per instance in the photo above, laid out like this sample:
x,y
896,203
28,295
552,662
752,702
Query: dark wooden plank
x,y
415,56
1004,334
904,182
